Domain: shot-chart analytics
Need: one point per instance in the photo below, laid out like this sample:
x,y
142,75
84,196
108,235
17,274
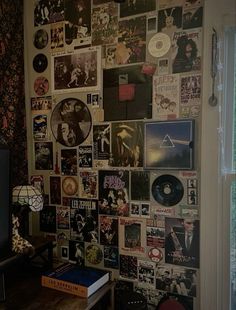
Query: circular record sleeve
x,y
167,190
41,86
40,39
159,45
40,63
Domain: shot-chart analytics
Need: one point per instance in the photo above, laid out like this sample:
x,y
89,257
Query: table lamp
x,y
26,198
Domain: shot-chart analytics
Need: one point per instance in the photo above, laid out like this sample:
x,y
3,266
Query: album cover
x,y
88,184
43,155
152,295
165,103
63,237
155,236
57,38
94,255
146,273
127,93
114,192
84,220
170,20
177,280
132,236
169,145
41,103
132,7
71,122
128,267
111,257
140,185
182,242
63,217
109,230
76,252
40,127
77,23
47,219
69,186
186,51
101,144
79,71
190,90
85,156
47,12
192,17
131,46
55,190
105,24
37,181
69,162
127,144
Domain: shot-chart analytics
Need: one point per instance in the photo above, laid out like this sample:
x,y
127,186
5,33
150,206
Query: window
x,y
229,154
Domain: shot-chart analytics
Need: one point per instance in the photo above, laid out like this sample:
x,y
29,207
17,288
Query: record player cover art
x,y
41,103
127,93
63,217
69,162
132,236
190,87
79,71
105,24
134,7
77,23
129,267
131,46
127,144
109,230
47,12
177,279
88,184
182,242
111,257
84,220
186,51
169,145
40,127
85,156
101,142
114,192
165,97
140,185
146,273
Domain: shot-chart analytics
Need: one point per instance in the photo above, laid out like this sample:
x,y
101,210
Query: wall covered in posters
x,y
114,113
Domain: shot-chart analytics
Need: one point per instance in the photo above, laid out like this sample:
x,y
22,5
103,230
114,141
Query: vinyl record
x,y
40,39
71,122
159,45
41,86
167,190
40,63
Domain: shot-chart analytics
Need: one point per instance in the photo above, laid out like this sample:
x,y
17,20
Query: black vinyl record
x,y
40,38
167,190
40,63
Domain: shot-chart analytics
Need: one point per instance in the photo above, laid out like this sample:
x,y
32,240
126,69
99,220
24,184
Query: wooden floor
x,y
24,292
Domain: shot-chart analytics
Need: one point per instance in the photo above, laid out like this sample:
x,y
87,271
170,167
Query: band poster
x,y
79,71
132,236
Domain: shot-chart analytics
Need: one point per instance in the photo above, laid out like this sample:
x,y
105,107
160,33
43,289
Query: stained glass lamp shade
x,y
28,195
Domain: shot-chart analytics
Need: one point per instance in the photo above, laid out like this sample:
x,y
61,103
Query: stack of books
x,y
73,279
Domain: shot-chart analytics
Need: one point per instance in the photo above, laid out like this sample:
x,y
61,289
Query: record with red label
x,y
167,190
41,86
40,63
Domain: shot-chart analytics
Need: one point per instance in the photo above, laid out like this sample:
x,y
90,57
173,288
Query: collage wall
x,y
115,110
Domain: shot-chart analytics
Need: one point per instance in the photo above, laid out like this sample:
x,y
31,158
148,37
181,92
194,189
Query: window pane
x,y
233,245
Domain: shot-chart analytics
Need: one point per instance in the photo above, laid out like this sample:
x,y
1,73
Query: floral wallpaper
x,y
12,100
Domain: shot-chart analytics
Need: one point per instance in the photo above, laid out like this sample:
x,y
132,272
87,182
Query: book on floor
x,y
73,279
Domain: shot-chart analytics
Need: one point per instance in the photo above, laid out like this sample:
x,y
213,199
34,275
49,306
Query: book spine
x,y
64,286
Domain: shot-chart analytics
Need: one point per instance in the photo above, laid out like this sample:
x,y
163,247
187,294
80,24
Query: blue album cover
x,y
169,145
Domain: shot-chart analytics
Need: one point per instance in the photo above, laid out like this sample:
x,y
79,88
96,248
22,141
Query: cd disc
x,y
159,45
41,86
167,190
40,63
40,38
